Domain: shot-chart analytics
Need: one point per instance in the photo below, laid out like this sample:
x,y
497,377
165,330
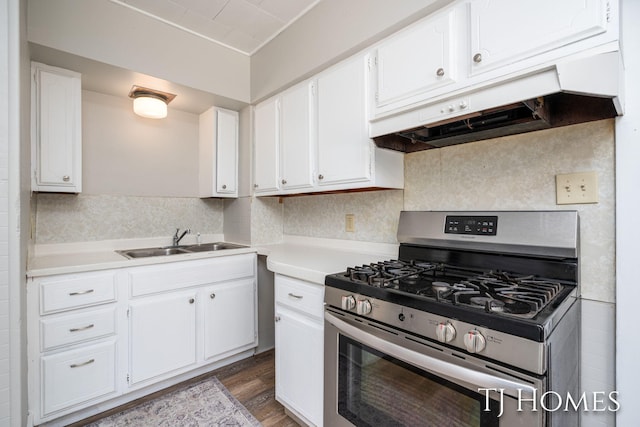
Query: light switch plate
x,y
575,188
350,223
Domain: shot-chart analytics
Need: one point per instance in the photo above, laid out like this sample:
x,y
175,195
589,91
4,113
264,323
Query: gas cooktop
x,y
506,293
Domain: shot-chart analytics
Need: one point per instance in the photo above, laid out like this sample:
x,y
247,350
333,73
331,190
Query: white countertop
x,y
91,256
303,258
312,259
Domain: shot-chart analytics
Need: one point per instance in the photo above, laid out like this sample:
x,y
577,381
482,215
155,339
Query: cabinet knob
x,y
277,318
440,72
192,300
284,182
212,296
477,58
320,176
224,186
255,185
66,178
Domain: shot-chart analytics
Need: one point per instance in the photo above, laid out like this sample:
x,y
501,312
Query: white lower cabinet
x,y
73,342
229,312
97,340
76,376
299,345
162,335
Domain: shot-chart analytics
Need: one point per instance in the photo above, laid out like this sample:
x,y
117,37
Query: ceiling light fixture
x,y
150,103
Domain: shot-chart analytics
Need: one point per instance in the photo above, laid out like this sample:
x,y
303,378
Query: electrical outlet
x,y
350,223
574,188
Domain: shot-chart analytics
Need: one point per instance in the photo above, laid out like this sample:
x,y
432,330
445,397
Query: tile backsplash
x,y
66,218
375,213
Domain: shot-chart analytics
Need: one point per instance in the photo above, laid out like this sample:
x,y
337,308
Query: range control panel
x,y
474,225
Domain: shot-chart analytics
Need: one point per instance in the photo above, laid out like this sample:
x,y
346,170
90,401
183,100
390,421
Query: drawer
x,y
179,275
78,376
59,330
300,295
72,291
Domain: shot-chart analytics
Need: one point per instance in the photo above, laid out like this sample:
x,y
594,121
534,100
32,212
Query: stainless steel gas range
x,y
475,324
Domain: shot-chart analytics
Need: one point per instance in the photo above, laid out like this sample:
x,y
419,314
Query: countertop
x,y
303,258
313,259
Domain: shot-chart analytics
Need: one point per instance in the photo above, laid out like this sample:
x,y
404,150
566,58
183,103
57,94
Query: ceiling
x,y
242,25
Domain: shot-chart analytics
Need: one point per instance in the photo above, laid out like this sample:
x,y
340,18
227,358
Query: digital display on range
x,y
473,225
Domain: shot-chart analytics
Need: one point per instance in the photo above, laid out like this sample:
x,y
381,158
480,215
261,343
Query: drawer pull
x,y
77,365
295,296
84,328
88,291
212,296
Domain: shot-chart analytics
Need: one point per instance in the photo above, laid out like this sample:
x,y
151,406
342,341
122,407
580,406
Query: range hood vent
x,y
570,92
546,112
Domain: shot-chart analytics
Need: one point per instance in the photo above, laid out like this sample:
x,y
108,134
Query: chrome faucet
x,y
176,238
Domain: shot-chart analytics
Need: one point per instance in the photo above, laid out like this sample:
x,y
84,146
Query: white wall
x,y
131,155
14,209
116,35
5,365
627,229
331,31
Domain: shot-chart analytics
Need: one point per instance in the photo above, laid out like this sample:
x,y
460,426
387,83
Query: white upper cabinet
x,y
314,137
296,137
504,31
56,134
218,153
432,68
415,61
284,141
344,147
266,146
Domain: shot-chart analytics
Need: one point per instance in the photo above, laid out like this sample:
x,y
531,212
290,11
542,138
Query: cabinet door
x,y
531,28
227,152
229,318
57,157
296,137
299,363
415,61
162,332
344,148
77,376
266,139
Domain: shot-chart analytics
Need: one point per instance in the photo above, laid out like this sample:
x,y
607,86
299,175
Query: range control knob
x,y
348,302
445,332
363,306
474,341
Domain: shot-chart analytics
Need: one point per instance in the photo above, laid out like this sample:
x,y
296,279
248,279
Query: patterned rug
x,y
205,403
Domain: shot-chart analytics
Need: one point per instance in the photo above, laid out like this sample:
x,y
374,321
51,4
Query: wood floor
x,y
251,381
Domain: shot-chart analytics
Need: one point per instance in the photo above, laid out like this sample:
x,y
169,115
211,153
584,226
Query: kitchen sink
x,y
177,250
206,247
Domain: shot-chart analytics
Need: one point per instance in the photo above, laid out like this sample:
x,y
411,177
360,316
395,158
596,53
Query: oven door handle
x,y
435,366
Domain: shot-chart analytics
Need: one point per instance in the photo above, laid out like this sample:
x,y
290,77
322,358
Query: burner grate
x,y
498,292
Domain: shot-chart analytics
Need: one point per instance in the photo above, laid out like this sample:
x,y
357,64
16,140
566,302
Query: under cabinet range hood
x,y
577,91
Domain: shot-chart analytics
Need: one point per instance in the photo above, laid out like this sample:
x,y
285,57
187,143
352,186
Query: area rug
x,y
205,403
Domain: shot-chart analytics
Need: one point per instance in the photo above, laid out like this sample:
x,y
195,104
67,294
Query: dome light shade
x,y
150,107
150,103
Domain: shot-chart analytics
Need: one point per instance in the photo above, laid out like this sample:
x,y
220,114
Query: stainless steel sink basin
x,y
177,250
149,252
206,247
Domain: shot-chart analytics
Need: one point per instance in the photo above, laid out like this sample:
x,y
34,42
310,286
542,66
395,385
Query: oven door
x,y
377,376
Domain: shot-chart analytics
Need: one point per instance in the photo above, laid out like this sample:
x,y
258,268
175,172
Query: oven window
x,y
375,390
